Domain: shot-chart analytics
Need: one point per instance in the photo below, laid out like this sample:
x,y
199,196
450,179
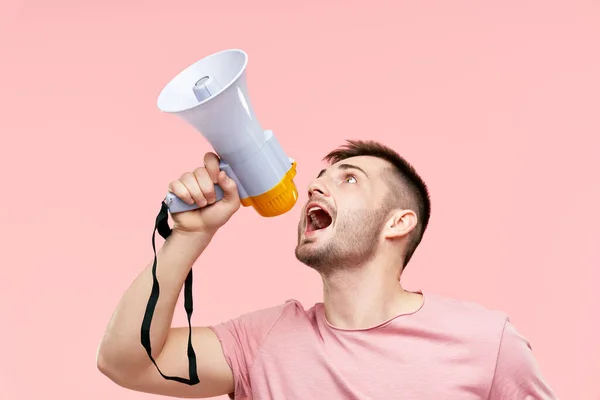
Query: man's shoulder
x,y
283,307
294,310
462,307
466,316
257,324
273,313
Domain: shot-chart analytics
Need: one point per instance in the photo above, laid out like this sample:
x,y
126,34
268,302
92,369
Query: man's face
x,y
346,210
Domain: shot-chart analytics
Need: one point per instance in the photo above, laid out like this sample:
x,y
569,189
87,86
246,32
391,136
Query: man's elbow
x,y
120,370
105,365
110,366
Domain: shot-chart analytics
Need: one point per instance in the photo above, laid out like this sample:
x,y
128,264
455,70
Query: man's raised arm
x,y
121,356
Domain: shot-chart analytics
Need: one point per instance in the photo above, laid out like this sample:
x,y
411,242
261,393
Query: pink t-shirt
x,y
448,349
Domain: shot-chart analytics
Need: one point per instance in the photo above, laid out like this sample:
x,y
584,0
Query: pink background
x,y
496,103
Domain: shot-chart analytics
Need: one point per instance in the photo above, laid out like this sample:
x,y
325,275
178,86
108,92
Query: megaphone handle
x,y
176,205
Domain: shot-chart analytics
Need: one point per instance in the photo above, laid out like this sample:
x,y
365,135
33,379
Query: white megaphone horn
x,y
211,95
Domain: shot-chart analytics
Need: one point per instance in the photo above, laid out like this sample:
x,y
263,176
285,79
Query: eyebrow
x,y
345,167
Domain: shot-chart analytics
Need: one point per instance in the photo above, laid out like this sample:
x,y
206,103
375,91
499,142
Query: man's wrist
x,y
191,236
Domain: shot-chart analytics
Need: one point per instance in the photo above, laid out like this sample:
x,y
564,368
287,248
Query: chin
x,y
315,254
314,245
309,245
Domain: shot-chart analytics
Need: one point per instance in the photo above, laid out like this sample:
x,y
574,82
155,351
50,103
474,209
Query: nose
x,y
317,187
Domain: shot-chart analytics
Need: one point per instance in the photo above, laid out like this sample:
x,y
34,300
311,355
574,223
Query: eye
x,y
350,179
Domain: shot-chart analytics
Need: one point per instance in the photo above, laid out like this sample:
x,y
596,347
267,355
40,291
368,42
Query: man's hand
x,y
199,187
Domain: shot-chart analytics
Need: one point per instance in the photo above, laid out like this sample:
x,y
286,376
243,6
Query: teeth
x,y
314,221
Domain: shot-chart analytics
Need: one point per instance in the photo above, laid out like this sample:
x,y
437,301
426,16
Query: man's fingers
x,y
191,184
207,187
181,191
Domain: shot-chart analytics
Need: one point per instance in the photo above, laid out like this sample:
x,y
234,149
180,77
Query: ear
x,y
400,224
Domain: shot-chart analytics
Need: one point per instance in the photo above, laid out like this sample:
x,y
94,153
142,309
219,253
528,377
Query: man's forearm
x,y
121,349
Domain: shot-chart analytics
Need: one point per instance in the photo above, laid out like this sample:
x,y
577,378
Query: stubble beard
x,y
353,243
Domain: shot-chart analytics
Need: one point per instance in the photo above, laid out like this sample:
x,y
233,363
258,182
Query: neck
x,y
366,296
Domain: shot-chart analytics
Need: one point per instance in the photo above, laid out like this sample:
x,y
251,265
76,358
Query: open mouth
x,y
317,219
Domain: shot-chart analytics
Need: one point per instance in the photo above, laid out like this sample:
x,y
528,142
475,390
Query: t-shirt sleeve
x,y
241,339
518,375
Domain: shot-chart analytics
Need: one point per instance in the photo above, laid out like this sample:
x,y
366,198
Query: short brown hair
x,y
413,192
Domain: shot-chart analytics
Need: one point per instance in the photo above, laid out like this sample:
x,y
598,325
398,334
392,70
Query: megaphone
x,y
211,95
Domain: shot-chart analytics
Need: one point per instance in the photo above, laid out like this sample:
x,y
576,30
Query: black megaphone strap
x,y
164,230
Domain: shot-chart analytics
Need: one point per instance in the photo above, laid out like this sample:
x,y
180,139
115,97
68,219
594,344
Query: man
x,y
370,339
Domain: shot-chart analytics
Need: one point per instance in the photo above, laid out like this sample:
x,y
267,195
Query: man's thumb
x,y
230,191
